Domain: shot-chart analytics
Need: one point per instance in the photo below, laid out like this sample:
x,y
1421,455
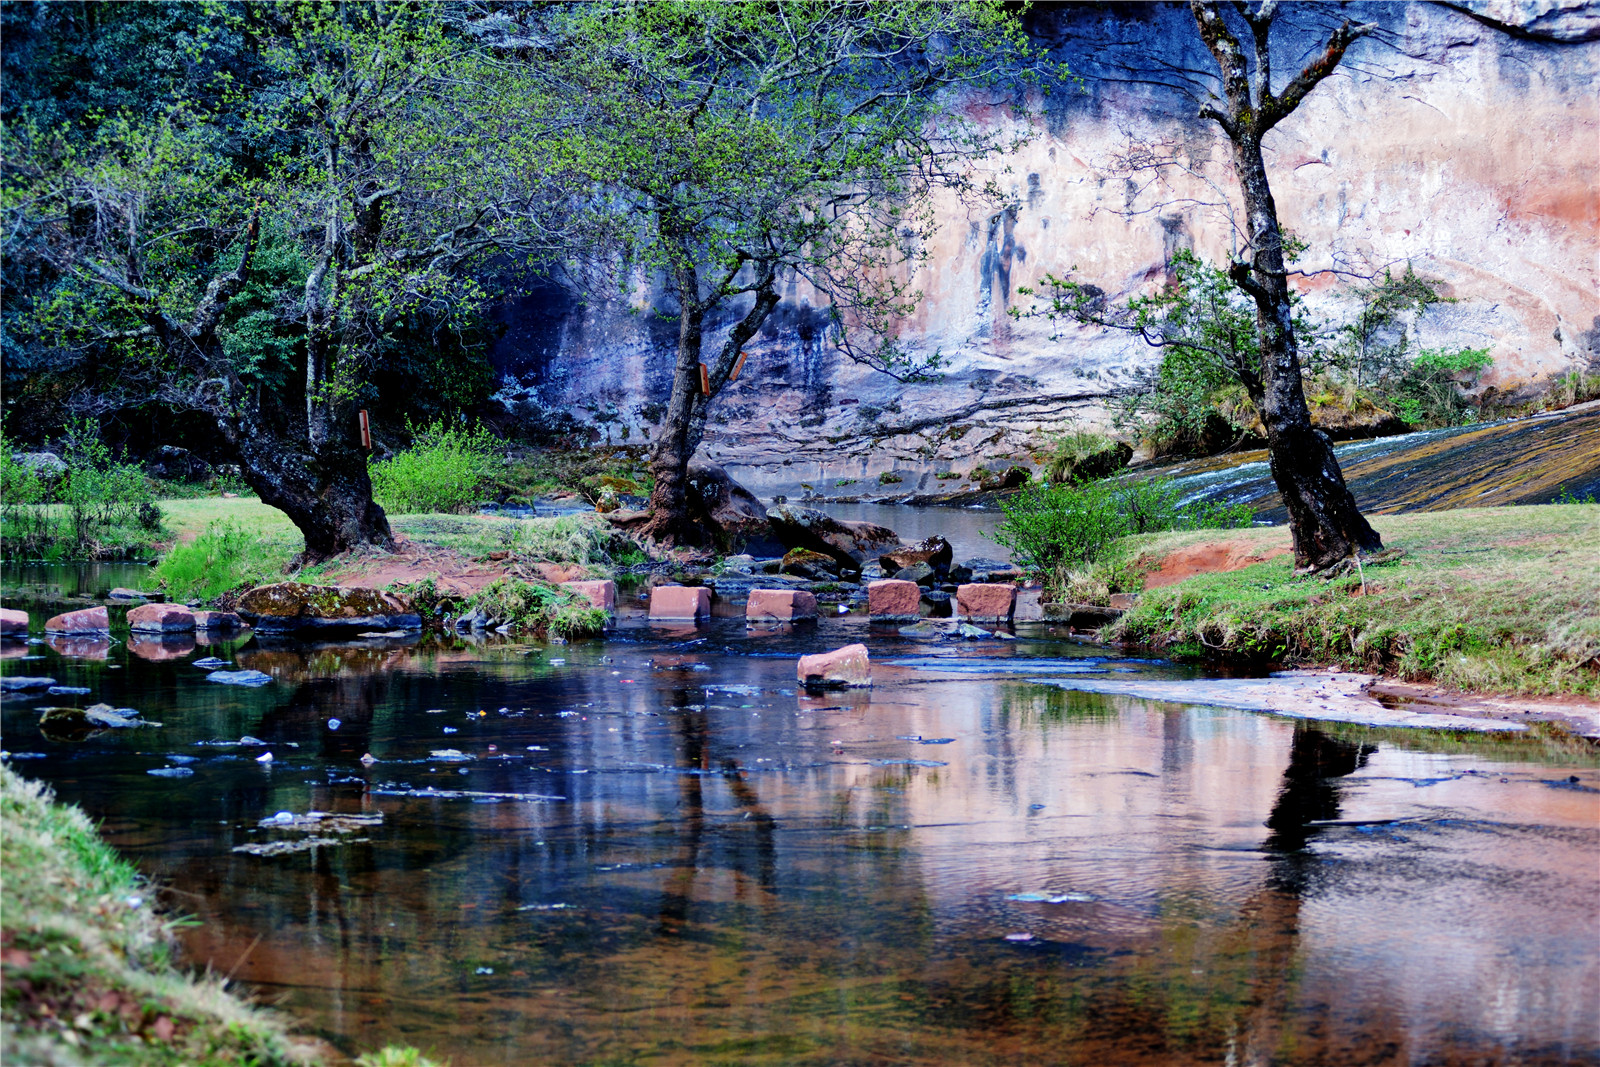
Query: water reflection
x,y
948,868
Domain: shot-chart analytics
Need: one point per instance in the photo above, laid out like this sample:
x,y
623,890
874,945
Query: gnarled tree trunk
x,y
1324,521
671,519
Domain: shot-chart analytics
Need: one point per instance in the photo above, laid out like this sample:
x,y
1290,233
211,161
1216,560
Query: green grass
x,y
1485,599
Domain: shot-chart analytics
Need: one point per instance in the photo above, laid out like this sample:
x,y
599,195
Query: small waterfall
x,y
1532,460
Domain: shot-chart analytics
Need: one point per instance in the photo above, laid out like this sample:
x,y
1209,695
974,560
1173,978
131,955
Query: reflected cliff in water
x,y
654,850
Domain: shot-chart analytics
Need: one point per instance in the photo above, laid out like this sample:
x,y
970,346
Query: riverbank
x,y
87,960
1485,600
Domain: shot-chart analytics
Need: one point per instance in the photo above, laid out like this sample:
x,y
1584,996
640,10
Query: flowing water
x,y
653,849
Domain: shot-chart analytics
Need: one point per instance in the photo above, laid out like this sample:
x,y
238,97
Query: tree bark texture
x,y
1324,521
672,521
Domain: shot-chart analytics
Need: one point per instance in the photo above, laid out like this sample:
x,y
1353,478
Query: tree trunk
x,y
1324,522
325,491
672,520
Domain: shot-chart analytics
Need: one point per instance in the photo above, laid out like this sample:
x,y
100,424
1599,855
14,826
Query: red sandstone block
x,y
1028,607
87,621
849,665
13,623
601,594
892,598
161,618
679,602
983,600
780,605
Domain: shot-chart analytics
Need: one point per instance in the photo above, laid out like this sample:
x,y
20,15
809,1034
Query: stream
x,y
653,849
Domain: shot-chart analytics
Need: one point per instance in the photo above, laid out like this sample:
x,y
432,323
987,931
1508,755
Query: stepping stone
x,y
986,601
161,619
779,605
894,600
680,602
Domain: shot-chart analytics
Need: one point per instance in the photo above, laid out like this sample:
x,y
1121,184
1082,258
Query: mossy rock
x,y
288,606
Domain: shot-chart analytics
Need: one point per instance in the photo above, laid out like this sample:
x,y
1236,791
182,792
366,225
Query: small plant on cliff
x,y
444,471
1054,530
1430,391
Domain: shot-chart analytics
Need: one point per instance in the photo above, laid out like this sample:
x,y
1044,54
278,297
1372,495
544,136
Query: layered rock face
x,y
1461,139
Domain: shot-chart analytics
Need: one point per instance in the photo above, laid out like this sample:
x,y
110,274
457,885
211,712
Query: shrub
x,y
445,470
222,558
538,609
1053,529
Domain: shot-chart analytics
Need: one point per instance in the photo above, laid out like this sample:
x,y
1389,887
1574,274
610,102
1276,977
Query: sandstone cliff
x,y
1462,138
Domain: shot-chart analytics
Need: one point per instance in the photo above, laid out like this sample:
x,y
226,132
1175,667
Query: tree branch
x,y
1275,108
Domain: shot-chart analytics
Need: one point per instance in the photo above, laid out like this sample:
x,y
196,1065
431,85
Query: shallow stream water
x,y
653,849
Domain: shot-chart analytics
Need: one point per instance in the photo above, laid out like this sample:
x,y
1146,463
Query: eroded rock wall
x,y
1463,139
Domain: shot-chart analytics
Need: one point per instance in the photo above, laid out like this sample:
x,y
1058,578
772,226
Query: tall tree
x,y
735,147
1324,521
360,168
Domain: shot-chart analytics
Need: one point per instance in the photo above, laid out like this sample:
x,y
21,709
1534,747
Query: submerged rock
x,y
77,724
290,607
17,682
239,677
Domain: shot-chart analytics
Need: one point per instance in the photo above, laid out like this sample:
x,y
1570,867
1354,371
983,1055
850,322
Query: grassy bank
x,y
1485,599
89,977
88,972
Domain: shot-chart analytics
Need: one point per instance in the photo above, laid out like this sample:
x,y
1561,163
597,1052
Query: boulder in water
x,y
13,623
935,551
804,563
161,619
847,666
87,621
729,508
290,607
851,543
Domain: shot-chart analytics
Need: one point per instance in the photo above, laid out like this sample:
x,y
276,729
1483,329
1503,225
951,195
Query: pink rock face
x,y
780,605
679,602
988,601
601,594
158,648
13,623
161,618
848,666
217,620
892,598
87,621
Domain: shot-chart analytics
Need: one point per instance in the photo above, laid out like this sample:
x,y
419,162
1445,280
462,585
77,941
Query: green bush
x,y
222,558
444,471
538,609
100,506
1052,529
